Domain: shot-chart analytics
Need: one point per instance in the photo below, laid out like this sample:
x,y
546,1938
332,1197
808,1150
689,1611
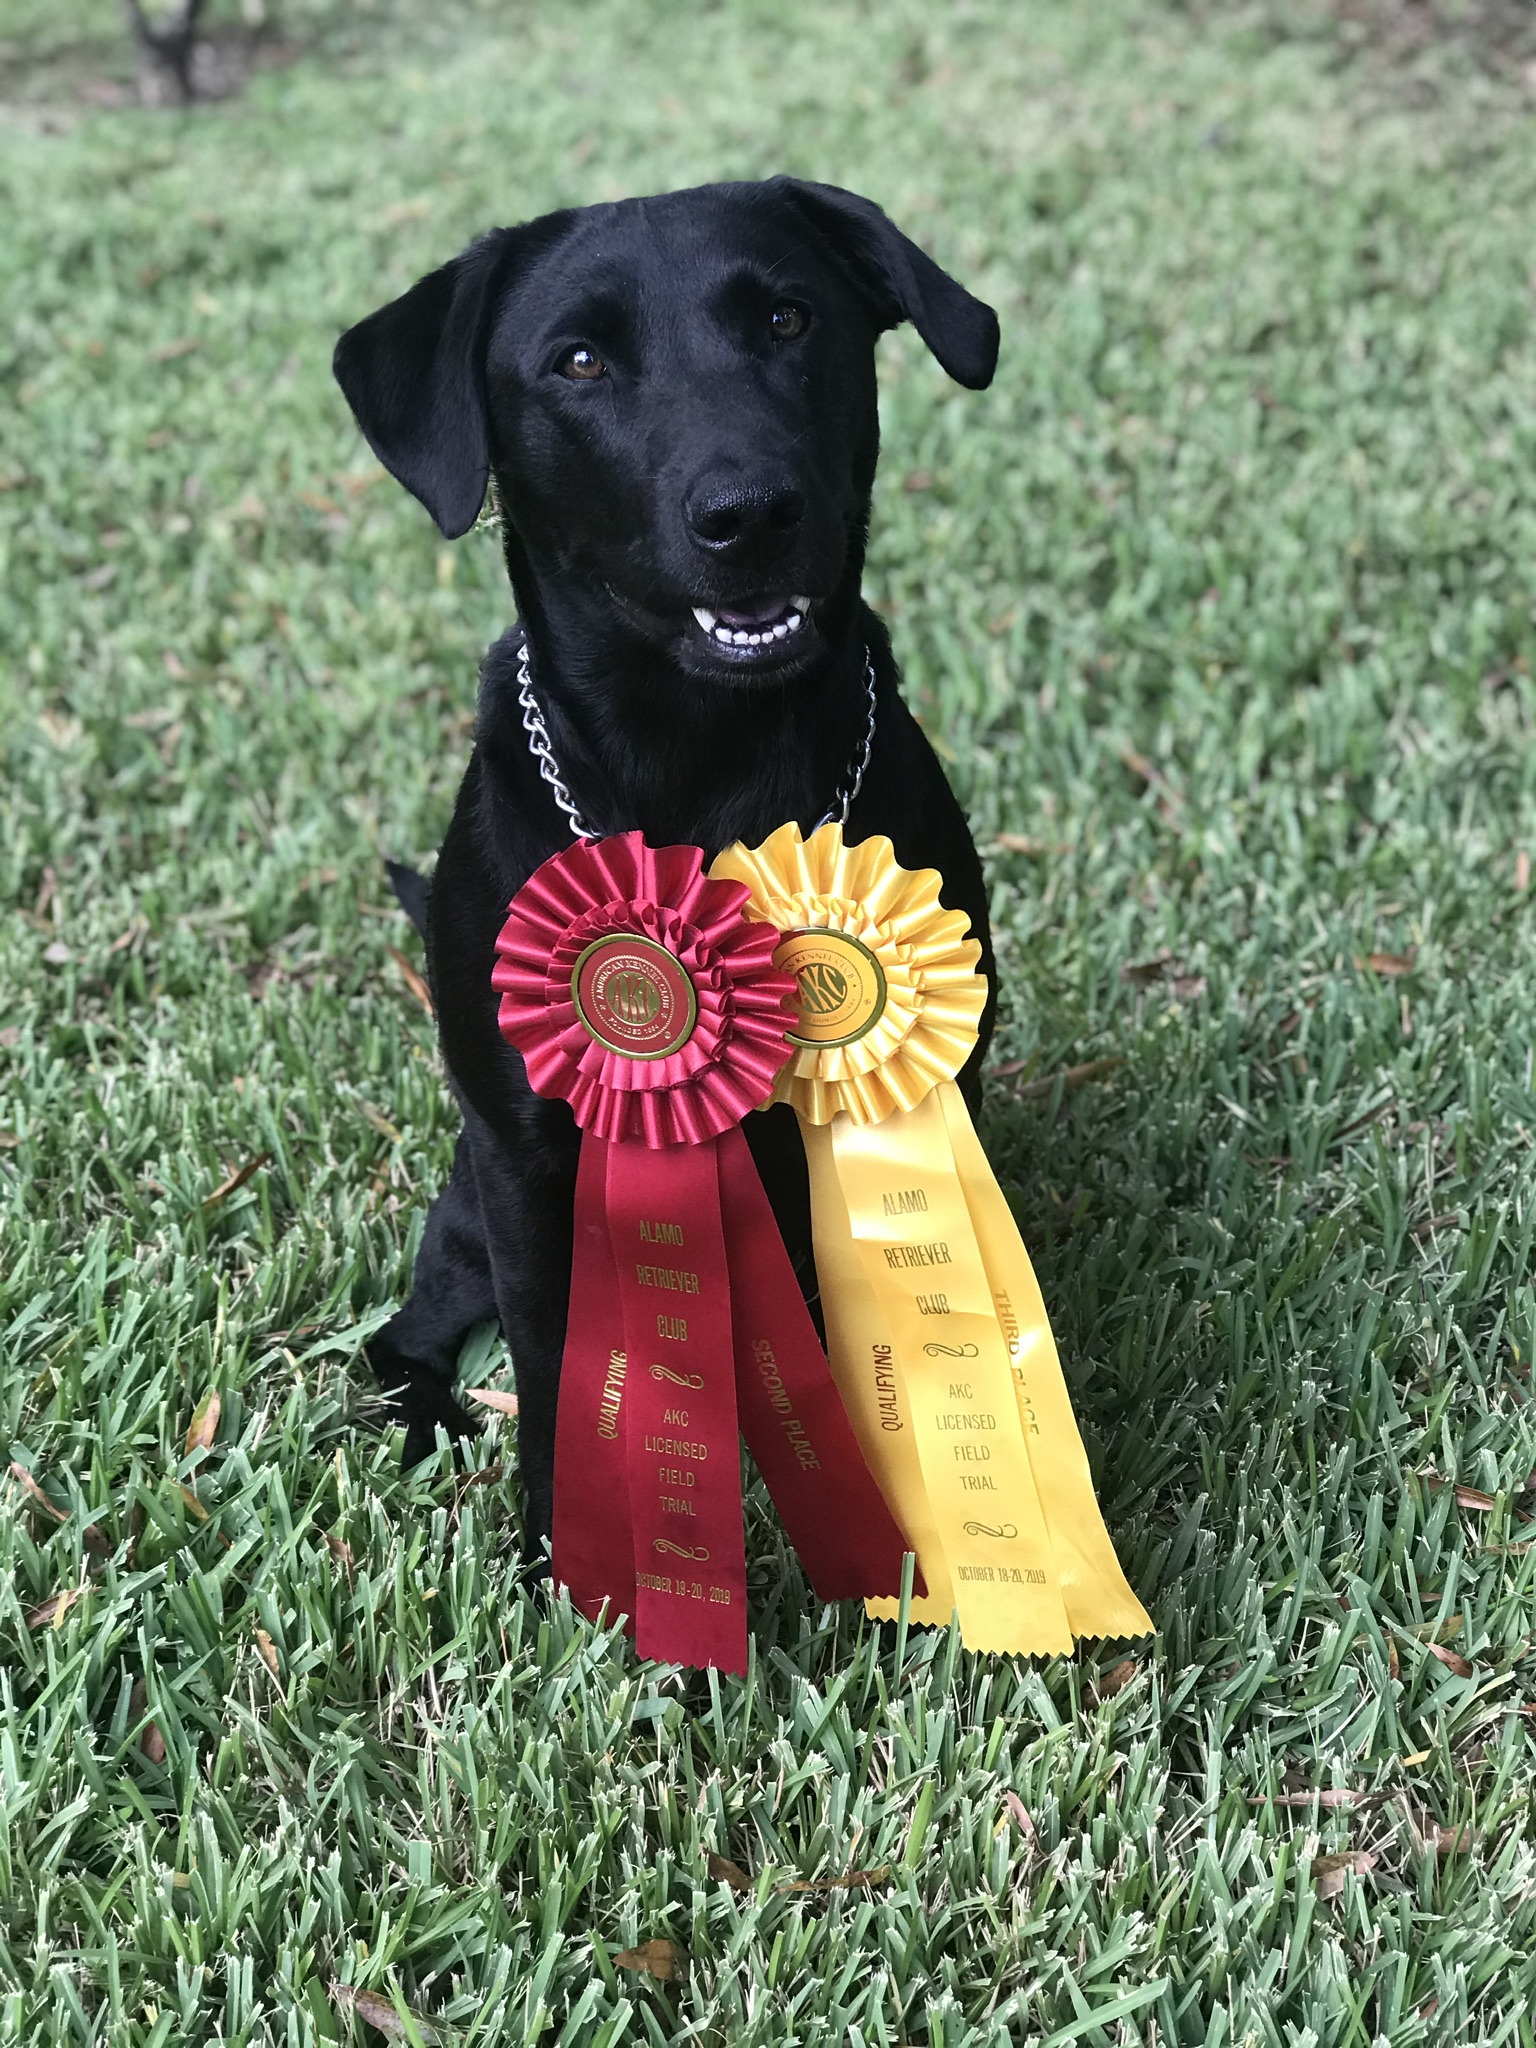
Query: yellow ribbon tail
x,y
861,1350
1098,1599
939,1344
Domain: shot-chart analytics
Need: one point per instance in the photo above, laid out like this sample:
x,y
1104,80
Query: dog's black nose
x,y
727,513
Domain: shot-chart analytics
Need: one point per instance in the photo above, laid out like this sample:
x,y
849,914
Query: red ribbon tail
x,y
594,1552
791,1412
680,1430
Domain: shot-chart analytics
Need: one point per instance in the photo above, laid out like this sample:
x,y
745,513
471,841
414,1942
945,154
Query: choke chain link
x,y
842,802
543,752
549,768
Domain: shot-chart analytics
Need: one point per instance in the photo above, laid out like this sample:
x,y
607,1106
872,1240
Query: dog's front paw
x,y
425,1406
538,1528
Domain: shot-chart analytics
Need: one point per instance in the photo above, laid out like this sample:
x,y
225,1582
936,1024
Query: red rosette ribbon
x,y
638,992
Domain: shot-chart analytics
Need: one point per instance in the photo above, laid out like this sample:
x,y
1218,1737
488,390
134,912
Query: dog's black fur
x,y
675,398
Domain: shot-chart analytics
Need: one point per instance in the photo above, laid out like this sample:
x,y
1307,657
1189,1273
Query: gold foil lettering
x,y
612,1397
667,1276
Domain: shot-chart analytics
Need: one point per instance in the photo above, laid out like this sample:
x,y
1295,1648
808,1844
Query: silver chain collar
x,y
542,751
549,768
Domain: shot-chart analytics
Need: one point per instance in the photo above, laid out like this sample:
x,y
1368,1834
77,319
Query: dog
x,y
673,401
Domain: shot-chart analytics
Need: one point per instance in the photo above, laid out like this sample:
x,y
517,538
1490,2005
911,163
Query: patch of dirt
x,y
1420,50
48,82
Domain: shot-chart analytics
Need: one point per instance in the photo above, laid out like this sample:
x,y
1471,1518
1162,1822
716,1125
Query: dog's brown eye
x,y
583,364
788,321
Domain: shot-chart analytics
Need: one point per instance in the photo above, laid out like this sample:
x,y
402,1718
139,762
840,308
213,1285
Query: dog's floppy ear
x,y
414,375
900,281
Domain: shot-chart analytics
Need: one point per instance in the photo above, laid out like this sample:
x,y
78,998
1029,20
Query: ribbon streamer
x,y
638,992
936,1330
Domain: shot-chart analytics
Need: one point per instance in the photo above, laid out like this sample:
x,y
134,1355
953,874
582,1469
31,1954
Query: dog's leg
x,y
528,1201
416,1354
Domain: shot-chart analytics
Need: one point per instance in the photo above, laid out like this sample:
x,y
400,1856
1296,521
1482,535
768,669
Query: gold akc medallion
x,y
634,997
841,985
936,1331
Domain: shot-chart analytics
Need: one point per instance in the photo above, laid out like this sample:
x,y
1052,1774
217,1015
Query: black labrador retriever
x,y
675,401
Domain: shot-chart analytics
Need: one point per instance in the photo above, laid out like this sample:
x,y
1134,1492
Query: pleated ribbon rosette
x,y
936,1331
636,990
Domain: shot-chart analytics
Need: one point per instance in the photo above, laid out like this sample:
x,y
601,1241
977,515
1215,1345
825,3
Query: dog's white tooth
x,y
742,639
781,632
754,639
792,624
706,619
801,604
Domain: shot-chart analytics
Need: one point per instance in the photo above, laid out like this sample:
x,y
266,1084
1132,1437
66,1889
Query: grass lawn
x,y
1222,608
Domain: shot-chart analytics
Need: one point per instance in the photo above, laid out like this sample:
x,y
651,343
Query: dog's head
x,y
676,397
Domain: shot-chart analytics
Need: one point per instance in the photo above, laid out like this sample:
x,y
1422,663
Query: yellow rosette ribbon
x,y
936,1332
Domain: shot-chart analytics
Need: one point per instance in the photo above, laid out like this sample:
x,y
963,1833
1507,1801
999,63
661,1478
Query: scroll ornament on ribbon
x,y
936,1330
638,992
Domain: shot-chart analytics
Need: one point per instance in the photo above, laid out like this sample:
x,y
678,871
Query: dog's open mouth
x,y
753,628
